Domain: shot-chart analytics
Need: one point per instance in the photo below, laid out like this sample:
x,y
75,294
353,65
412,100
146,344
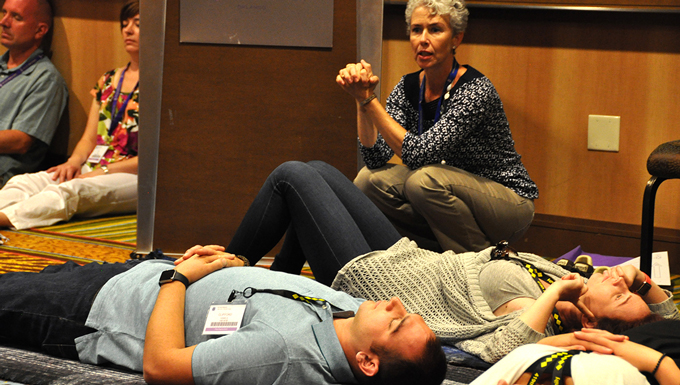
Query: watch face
x,y
167,276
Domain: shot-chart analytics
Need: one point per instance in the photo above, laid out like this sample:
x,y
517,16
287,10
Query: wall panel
x,y
231,114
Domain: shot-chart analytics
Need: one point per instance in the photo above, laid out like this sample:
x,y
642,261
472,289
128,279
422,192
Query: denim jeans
x,y
329,221
46,311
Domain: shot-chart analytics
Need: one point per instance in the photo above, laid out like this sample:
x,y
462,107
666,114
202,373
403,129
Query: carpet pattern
x,y
115,229
39,369
95,240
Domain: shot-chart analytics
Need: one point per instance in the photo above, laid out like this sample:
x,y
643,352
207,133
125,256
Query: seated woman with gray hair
x,y
463,186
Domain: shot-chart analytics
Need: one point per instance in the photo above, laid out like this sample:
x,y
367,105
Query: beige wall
x,y
87,42
553,69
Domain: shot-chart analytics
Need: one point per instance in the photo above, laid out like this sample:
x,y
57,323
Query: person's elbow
x,y
21,144
168,367
151,374
154,373
154,369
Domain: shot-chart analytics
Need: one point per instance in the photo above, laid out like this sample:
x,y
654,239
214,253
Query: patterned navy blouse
x,y
472,133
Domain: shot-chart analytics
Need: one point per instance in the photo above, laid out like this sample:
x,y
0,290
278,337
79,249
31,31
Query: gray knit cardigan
x,y
444,290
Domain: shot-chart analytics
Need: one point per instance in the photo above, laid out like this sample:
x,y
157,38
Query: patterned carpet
x,y
109,239
95,240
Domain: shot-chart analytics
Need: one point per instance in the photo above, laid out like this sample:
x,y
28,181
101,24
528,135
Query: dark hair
x,y
571,321
617,326
428,369
130,9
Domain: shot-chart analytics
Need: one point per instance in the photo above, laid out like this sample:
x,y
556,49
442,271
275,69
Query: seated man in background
x,y
320,336
32,92
100,176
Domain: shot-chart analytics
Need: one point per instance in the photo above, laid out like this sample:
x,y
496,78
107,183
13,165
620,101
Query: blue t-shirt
x,y
281,340
33,103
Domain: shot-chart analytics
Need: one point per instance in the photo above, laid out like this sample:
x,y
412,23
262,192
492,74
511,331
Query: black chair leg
x,y
647,233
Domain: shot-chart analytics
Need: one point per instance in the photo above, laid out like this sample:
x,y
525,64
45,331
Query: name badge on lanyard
x,y
98,153
224,318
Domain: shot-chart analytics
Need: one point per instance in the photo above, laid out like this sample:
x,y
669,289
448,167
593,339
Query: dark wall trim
x,y
533,5
552,236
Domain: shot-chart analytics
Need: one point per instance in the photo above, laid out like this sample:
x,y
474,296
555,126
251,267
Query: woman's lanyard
x,y
504,251
21,69
445,95
117,114
558,363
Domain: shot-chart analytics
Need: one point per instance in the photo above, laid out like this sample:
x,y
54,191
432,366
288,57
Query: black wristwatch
x,y
644,288
173,275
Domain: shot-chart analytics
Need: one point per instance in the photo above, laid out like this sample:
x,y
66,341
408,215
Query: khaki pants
x,y
446,208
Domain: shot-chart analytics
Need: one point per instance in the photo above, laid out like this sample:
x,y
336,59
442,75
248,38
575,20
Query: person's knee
x,y
319,164
420,185
363,179
292,167
324,169
370,182
294,173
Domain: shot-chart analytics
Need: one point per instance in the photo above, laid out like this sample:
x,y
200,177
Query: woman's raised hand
x,y
571,288
630,274
358,80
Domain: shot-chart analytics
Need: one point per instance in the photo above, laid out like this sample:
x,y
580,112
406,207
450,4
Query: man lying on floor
x,y
293,330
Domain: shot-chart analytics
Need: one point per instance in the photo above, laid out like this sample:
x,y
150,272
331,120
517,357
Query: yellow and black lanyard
x,y
250,291
503,251
559,364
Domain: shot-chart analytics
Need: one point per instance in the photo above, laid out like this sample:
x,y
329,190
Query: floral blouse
x,y
123,141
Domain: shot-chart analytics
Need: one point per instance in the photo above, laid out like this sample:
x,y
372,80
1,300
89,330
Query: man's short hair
x,y
129,10
45,14
394,369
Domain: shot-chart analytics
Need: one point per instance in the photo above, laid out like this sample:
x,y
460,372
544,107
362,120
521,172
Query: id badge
x,y
98,153
224,318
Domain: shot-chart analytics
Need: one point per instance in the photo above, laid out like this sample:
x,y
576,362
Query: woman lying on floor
x,y
632,363
485,303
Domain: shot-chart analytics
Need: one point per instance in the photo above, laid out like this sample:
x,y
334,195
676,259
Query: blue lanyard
x,y
117,116
21,69
447,88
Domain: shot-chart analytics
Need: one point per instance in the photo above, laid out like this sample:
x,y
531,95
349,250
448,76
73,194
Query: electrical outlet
x,y
603,132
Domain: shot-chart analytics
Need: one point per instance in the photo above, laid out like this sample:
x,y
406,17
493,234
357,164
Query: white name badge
x,y
224,318
98,153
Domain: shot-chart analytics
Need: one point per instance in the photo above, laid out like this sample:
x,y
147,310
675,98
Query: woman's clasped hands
x,y
358,80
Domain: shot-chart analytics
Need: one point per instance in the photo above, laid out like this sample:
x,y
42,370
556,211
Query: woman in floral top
x,y
100,177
